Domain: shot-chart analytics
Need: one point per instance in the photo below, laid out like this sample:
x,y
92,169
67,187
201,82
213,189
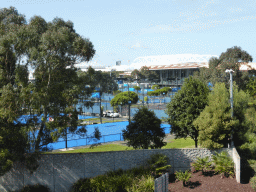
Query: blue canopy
x,y
125,85
131,89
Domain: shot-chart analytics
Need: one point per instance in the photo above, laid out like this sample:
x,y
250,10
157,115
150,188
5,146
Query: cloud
x,y
136,45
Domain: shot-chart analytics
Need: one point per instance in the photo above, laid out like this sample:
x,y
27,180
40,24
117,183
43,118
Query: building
x,y
173,69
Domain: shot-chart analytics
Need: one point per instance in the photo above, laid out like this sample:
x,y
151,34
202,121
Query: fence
x,y
161,183
80,142
60,171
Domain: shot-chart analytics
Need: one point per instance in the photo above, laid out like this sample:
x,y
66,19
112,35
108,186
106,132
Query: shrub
x,y
202,164
223,164
35,188
252,164
253,182
82,185
155,87
158,164
184,177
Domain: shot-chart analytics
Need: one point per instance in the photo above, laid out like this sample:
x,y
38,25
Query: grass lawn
x,y
175,143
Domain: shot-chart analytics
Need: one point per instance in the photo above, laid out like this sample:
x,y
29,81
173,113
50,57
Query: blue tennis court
x,y
109,132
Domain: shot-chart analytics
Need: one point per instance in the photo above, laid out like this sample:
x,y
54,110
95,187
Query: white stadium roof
x,y
170,59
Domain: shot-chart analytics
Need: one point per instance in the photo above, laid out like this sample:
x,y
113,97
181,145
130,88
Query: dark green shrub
x,y
35,188
253,183
223,164
82,185
184,177
252,164
158,164
202,164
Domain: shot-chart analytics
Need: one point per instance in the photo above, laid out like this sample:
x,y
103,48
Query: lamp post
x,y
143,95
121,109
100,107
164,94
230,71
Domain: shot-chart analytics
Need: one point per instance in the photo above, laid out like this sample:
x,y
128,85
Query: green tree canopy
x,y
186,106
155,87
161,91
145,131
231,59
215,123
51,49
124,97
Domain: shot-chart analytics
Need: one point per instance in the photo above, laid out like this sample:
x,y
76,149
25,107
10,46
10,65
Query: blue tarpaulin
x,y
131,89
120,82
125,85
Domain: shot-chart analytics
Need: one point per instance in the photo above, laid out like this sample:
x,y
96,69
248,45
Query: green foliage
x,y
145,98
35,188
215,123
117,92
251,87
147,74
184,177
5,163
155,87
253,183
51,48
249,147
144,128
158,163
158,91
223,164
202,164
186,106
137,88
231,59
124,97
82,185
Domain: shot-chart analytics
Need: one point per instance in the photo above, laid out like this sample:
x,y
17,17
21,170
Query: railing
x,y
161,183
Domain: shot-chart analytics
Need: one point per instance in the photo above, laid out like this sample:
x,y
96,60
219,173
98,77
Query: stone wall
x,y
60,171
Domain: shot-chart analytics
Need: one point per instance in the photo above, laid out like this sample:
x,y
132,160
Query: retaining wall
x,y
60,171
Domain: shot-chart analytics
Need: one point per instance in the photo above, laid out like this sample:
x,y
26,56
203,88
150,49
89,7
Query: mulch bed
x,y
209,183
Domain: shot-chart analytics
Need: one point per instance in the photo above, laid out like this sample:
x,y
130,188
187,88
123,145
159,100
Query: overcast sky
x,y
127,29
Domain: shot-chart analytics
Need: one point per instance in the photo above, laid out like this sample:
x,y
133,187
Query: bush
x,y
202,164
35,188
158,164
155,87
184,177
253,183
82,185
223,164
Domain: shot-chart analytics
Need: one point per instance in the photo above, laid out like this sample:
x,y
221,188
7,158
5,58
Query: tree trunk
x,y
196,140
40,133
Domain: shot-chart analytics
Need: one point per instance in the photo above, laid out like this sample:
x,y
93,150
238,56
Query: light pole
x,y
100,106
143,95
129,102
164,94
230,71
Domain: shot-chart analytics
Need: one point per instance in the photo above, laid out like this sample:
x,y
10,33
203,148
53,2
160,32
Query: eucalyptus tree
x,y
232,58
51,49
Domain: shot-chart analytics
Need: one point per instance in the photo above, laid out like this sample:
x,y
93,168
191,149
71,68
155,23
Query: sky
x,y
123,30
